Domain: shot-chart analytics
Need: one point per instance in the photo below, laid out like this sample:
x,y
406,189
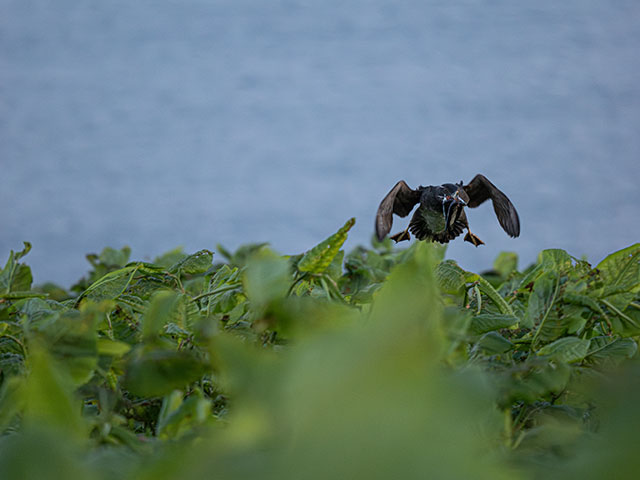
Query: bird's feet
x,y
471,238
399,237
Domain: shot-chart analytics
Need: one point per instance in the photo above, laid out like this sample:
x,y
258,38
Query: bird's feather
x,y
400,200
424,229
481,189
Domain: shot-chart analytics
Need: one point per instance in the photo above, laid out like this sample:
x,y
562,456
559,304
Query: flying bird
x,y
440,216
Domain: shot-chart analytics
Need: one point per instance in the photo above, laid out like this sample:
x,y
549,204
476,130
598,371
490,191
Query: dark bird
x,y
440,216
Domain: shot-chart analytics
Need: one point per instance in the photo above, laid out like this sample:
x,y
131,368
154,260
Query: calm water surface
x,y
163,123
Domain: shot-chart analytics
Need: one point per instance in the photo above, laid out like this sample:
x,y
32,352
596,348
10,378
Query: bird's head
x,y
453,193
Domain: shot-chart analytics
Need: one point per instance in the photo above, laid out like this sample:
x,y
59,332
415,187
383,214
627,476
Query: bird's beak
x,y
455,200
458,200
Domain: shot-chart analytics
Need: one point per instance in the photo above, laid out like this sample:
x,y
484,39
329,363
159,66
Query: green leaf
x,y
170,258
11,364
69,335
487,322
158,372
493,343
178,417
620,273
534,380
616,302
173,329
194,264
605,350
12,398
492,293
48,395
240,256
627,323
540,314
224,292
582,300
38,311
530,277
267,277
505,263
43,451
111,285
335,268
410,296
115,258
16,277
21,295
112,348
555,260
451,278
162,309
320,257
567,349
23,252
225,275
622,268
22,279
170,403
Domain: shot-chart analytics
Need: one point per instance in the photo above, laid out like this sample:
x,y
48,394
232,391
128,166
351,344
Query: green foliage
x,y
320,257
15,277
267,278
378,363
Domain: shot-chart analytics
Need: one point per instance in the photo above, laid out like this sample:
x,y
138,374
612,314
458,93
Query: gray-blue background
x,y
165,123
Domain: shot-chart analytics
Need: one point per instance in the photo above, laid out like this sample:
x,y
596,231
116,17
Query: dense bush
x,y
380,363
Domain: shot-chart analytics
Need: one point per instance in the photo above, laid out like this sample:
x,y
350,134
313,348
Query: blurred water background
x,y
163,123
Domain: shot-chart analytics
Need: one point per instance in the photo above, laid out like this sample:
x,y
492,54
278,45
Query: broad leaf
x,y
505,263
555,260
451,278
492,343
116,258
70,336
194,264
178,416
15,276
567,349
48,395
111,285
610,350
540,313
487,322
492,293
158,372
267,277
112,348
320,257
622,268
163,308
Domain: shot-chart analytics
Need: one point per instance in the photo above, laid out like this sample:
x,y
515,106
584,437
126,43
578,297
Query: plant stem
x,y
620,314
216,291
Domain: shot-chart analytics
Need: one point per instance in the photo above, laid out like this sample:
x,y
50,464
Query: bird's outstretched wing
x,y
480,189
400,200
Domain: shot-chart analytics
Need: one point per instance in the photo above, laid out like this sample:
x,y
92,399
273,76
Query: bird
x,y
440,216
